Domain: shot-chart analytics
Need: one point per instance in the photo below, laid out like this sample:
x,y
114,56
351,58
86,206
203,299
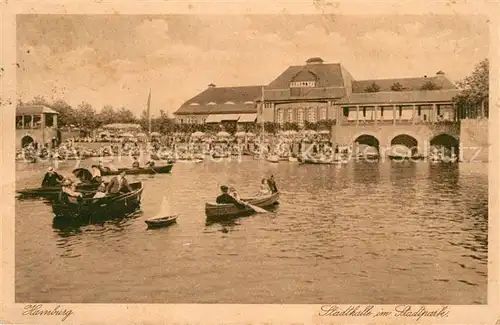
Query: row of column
x,y
432,117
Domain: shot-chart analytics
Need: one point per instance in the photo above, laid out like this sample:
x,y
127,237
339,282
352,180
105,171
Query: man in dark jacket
x,y
51,178
118,185
225,198
272,184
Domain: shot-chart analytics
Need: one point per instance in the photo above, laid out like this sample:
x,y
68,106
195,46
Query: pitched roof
x,y
34,110
328,75
358,86
305,93
217,109
223,100
387,97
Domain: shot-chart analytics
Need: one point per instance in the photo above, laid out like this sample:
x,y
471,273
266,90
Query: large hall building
x,y
318,91
380,112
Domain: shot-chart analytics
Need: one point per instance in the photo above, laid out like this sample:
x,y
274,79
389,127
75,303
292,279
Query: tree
x,y
107,115
397,86
373,88
67,115
429,85
124,115
474,92
86,116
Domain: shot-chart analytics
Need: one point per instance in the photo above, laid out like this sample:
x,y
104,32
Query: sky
x,y
116,59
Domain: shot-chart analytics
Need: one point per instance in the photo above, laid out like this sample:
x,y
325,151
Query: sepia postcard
x,y
250,162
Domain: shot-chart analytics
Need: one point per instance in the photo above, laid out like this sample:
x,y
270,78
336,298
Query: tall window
x,y
280,116
419,111
346,111
364,111
312,115
400,111
290,115
322,113
300,117
381,112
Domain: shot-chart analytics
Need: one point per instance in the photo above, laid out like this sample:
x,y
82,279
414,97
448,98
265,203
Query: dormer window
x,y
231,103
194,104
211,103
300,84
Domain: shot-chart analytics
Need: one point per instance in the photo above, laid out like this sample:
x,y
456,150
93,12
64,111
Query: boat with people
x,y
218,210
106,171
52,192
108,206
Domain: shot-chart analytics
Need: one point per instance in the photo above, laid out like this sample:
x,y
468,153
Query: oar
x,y
255,208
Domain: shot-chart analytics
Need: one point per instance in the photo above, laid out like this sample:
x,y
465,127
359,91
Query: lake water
x,y
380,233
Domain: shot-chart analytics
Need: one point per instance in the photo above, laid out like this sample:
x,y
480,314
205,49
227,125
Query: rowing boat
x,y
51,192
106,207
138,171
161,222
215,210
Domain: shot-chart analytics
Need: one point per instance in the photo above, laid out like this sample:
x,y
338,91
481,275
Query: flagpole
x,y
149,115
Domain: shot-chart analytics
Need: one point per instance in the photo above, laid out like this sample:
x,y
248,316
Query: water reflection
x,y
365,172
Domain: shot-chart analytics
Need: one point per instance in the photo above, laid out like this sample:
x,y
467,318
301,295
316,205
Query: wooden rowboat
x,y
215,210
161,222
138,171
51,192
106,207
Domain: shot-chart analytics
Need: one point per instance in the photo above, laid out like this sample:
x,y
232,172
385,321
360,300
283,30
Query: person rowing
x,y
51,178
272,184
226,198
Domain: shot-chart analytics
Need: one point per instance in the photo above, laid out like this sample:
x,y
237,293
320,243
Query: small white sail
x,y
164,208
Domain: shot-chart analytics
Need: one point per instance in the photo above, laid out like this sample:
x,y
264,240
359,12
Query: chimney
x,y
315,60
211,85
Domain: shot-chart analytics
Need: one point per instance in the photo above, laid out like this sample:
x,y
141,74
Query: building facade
x,y
374,112
36,124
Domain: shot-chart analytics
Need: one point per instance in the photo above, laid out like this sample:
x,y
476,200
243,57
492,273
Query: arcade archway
x,y
366,144
447,142
26,140
406,141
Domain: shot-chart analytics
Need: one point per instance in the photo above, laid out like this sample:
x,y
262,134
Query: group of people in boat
x,y
117,185
136,164
229,194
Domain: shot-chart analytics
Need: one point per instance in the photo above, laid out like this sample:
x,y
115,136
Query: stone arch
x,y
26,140
406,140
366,139
449,142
